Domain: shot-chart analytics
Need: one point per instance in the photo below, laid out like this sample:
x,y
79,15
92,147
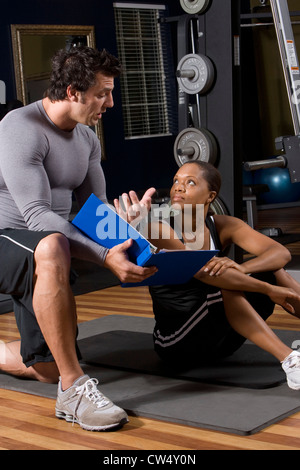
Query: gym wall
x,y
138,164
130,164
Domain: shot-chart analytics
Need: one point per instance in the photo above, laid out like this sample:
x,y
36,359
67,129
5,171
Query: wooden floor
x,y
28,422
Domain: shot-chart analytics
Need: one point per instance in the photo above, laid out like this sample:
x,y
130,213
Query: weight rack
x,y
210,116
216,112
289,146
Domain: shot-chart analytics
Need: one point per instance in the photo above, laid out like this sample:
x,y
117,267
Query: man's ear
x,y
72,93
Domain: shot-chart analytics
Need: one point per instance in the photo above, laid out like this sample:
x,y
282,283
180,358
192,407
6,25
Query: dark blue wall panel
x,y
130,164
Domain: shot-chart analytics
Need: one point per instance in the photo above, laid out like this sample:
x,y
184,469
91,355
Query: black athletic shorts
x,y
16,279
191,324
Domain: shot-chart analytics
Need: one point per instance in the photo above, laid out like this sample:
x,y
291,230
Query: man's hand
x,y
118,263
135,209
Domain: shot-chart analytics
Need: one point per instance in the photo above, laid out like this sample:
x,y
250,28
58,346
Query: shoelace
x,y
91,392
293,361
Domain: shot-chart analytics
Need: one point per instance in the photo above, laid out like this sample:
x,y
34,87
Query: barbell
x,y
195,144
193,7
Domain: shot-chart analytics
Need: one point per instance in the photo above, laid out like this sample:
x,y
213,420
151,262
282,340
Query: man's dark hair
x,y
78,67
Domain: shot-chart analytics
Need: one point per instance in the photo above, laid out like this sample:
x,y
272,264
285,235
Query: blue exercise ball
x,y
281,188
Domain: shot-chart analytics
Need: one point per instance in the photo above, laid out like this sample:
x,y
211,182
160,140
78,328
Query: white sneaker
x,y
291,366
84,404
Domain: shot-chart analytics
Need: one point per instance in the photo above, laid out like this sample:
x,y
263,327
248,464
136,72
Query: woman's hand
x,y
135,209
217,266
284,297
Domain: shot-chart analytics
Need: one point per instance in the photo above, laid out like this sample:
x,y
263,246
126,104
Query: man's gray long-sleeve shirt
x,y
40,168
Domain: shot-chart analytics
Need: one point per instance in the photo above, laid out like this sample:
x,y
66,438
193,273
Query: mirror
x,y
33,48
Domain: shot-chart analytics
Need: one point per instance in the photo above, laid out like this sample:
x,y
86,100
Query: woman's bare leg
x,y
247,322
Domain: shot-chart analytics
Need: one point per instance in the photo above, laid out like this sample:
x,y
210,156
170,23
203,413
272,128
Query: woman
x,y
211,316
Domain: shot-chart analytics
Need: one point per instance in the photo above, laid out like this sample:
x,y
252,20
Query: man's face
x,y
90,105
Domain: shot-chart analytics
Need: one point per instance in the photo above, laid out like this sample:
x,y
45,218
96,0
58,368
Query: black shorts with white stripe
x,y
190,331
17,247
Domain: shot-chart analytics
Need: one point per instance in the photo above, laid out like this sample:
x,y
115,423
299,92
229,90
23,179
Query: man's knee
x,y
53,252
53,246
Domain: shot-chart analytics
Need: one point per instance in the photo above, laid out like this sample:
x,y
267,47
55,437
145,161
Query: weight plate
x,y
193,7
218,207
195,144
195,74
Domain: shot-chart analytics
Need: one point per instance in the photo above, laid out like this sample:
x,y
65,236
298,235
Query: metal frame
x,y
218,111
290,145
289,57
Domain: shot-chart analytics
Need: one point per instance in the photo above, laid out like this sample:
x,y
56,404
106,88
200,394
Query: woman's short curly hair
x,y
211,175
78,67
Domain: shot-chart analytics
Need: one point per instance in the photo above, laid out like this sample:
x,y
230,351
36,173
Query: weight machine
x,y
204,83
196,75
208,76
289,146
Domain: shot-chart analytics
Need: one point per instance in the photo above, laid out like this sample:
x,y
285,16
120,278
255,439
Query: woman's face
x,y
190,187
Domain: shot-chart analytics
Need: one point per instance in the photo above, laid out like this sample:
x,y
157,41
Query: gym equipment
x,y
195,144
288,145
216,35
195,74
288,55
250,193
194,6
282,174
281,189
218,207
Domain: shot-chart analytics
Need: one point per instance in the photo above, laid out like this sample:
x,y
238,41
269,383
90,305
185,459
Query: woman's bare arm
x,y
268,255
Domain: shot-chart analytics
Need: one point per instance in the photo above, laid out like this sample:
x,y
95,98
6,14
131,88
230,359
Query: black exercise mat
x,y
234,410
250,367
125,342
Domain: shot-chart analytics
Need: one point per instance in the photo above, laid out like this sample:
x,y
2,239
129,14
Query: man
x,y
47,154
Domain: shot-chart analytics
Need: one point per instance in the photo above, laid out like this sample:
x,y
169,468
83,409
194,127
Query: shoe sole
x,y
71,419
293,386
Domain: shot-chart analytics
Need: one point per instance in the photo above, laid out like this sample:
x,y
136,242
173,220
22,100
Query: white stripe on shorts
x,y
166,341
17,243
